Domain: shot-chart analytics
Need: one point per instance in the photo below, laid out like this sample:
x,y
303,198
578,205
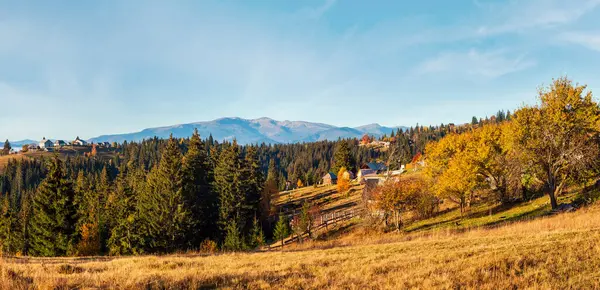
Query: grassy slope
x,y
561,251
104,154
549,252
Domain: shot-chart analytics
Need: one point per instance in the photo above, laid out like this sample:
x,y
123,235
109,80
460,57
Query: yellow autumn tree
x,y
300,183
395,197
453,170
343,182
556,139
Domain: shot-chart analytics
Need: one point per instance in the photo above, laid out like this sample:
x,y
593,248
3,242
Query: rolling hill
x,y
247,131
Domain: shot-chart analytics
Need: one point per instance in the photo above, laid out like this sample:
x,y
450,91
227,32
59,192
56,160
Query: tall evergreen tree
x,y
282,228
6,148
342,157
228,185
162,206
199,196
124,236
270,189
54,215
252,185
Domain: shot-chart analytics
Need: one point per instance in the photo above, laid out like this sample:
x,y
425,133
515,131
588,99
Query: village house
x,y
364,172
378,167
79,142
329,179
60,143
46,144
349,175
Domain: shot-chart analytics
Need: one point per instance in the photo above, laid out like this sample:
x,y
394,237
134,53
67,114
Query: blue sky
x,y
88,68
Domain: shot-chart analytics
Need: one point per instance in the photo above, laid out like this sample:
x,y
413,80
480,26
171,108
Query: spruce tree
x,y
124,236
232,199
270,189
342,157
233,237
199,196
9,230
162,205
282,228
251,180
6,149
257,238
54,215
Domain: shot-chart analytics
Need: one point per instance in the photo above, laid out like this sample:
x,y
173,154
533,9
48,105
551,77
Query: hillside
x,y
102,153
247,131
554,252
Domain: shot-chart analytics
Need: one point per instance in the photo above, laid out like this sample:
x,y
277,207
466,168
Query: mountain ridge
x,y
251,131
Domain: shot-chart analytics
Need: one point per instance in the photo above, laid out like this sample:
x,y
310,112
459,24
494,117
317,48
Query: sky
x,y
89,68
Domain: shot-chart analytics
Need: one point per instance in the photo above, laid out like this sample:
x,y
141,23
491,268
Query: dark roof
x,y
374,166
330,175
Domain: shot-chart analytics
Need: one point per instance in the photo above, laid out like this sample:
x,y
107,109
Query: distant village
x,y
48,145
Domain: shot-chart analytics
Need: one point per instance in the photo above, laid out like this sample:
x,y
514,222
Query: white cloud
x,y
590,40
520,16
489,64
319,11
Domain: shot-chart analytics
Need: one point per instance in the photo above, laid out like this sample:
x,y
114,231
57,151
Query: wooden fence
x,y
323,221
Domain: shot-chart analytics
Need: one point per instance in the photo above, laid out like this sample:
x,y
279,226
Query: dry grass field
x,y
559,252
103,154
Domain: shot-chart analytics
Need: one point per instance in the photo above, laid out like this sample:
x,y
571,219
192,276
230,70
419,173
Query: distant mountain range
x,y
20,143
247,131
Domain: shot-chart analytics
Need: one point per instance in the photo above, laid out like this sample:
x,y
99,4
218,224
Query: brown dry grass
x,y
559,252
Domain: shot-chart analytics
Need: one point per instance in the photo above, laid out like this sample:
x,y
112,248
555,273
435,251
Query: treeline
x,y
541,149
158,196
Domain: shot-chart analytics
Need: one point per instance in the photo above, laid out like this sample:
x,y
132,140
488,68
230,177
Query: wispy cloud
x,y
488,64
590,40
319,11
520,16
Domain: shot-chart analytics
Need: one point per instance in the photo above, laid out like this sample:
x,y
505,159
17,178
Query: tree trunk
x,y
553,201
397,214
552,190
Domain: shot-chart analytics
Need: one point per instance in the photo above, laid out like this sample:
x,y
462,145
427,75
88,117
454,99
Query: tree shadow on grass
x,y
526,215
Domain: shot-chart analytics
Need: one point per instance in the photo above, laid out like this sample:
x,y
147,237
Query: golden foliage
x,y
89,245
343,182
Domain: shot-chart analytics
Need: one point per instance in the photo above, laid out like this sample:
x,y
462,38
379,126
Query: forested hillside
x,y
160,196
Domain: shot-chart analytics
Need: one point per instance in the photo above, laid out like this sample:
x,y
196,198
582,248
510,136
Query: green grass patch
x,y
481,215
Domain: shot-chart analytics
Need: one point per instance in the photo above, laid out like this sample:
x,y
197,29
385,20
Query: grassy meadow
x,y
559,251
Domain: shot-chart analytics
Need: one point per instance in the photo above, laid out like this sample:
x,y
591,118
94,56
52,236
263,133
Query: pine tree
x,y
257,238
306,218
252,184
6,149
9,230
124,237
232,199
474,121
54,215
282,228
270,189
233,237
342,157
162,206
199,196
